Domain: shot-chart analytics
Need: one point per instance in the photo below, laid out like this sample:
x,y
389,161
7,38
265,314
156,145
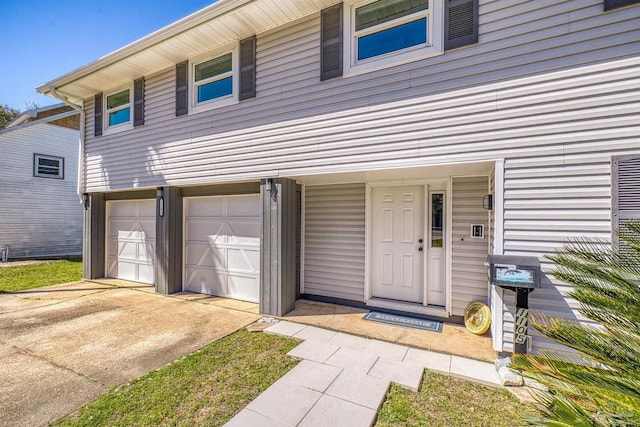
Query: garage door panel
x,y
244,260
112,248
147,210
205,207
222,246
244,287
205,231
146,273
127,270
131,227
244,232
244,206
112,266
202,255
205,281
146,252
121,209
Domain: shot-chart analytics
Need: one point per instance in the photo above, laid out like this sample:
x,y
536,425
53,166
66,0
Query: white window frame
x,y
434,46
36,172
194,105
105,115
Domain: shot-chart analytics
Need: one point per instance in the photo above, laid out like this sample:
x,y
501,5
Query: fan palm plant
x,y
602,387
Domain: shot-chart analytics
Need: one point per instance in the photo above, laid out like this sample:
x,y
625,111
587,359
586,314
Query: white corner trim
x,y
497,303
302,234
367,242
449,243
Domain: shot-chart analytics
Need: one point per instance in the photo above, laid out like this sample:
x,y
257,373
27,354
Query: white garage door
x,y
222,246
131,240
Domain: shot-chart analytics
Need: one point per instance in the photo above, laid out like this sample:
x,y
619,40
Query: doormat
x,y
399,320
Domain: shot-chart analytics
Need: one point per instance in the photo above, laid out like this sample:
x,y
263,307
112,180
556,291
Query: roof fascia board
x,y
208,13
31,114
41,121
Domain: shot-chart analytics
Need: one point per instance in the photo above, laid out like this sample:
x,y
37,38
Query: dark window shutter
x,y
460,23
97,115
625,189
182,89
331,42
248,68
614,4
138,102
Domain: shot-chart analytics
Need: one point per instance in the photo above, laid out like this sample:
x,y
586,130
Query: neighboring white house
x,y
270,150
40,213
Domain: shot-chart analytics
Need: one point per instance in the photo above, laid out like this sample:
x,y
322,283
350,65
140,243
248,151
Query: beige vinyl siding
x,y
334,241
553,87
546,205
39,217
468,255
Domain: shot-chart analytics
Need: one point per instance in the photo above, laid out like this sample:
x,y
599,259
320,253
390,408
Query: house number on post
x,y
521,326
522,320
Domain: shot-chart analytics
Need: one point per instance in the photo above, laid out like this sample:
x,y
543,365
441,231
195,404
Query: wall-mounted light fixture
x,y
86,201
160,197
487,202
272,188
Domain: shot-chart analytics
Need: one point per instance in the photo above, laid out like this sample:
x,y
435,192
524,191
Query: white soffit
x,y
221,23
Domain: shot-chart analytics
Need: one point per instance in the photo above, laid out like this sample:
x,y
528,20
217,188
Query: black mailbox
x,y
510,271
520,274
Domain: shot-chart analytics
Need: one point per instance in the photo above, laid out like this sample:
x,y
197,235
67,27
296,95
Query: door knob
x,y
420,240
420,248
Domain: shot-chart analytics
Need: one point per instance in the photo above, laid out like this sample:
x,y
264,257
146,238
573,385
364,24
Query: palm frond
x,y
602,388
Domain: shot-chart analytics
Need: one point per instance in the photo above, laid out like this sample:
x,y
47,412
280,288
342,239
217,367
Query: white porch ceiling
x,y
214,26
404,174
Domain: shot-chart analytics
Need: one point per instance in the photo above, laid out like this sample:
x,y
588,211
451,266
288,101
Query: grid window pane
x,y
118,99
387,10
216,89
390,40
118,117
213,67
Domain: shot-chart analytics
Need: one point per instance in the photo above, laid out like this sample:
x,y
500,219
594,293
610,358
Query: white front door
x,y
398,243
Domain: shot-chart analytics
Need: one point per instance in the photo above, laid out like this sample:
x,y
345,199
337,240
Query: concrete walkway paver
x,y
343,379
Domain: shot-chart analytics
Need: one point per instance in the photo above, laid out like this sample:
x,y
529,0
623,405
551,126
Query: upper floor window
x,y
48,166
382,33
118,109
213,81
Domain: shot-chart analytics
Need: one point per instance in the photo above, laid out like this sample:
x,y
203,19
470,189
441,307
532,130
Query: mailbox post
x,y
521,275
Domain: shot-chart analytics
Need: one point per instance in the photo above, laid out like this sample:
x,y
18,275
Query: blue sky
x,y
45,39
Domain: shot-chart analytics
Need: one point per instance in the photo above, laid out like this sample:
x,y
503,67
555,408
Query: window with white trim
x,y
48,166
213,81
383,33
118,109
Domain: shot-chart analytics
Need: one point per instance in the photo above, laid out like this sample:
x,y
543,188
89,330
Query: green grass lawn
x,y
208,387
447,401
205,388
23,277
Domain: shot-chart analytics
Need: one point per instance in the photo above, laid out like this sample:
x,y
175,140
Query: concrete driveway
x,y
62,346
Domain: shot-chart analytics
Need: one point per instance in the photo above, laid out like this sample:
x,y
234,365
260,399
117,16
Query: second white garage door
x,y
222,246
